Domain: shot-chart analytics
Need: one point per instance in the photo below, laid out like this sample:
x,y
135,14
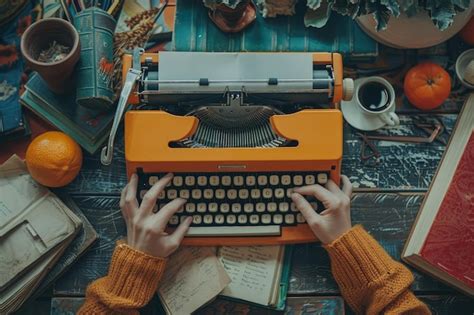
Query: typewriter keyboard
x,y
234,204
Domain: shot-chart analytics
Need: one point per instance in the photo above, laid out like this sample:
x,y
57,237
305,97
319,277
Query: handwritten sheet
x,y
252,270
193,277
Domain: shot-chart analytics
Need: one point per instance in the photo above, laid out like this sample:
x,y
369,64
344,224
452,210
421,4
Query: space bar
x,y
234,230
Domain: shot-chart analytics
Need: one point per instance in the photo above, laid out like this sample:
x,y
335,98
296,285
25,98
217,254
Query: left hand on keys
x,y
145,229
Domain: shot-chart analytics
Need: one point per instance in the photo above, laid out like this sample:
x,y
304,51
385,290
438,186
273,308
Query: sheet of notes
x,y
193,277
252,270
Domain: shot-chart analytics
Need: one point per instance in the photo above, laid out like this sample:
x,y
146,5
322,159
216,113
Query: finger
x,y
317,191
122,196
332,187
149,200
305,208
165,213
131,194
346,186
178,235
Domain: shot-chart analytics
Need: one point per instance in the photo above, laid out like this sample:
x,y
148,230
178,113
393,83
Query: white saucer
x,y
359,119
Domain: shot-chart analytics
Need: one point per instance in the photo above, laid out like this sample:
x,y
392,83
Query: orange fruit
x,y
53,159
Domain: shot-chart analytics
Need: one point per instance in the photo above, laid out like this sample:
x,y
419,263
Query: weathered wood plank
x,y
39,306
449,304
308,305
402,166
387,216
315,305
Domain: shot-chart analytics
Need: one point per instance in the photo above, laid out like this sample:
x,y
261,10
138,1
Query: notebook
x,y
441,242
196,275
89,128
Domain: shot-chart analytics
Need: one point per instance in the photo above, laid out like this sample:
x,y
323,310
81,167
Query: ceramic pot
x,y
414,32
38,37
232,16
234,20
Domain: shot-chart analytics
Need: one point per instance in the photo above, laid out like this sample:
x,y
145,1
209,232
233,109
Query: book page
x,y
17,190
193,277
252,270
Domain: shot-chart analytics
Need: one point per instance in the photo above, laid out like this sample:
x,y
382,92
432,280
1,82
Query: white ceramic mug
x,y
387,115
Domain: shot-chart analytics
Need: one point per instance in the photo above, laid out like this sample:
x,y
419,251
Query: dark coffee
x,y
374,96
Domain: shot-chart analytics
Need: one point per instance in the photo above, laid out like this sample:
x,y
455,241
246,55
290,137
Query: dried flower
x,y
54,53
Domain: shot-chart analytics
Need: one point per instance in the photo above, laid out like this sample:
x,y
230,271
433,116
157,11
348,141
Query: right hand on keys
x,y
335,220
145,229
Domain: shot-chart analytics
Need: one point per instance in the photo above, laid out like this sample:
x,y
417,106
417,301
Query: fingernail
x,y
134,176
169,175
189,219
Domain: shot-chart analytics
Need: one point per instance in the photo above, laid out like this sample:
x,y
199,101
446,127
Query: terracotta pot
x,y
38,37
234,20
232,16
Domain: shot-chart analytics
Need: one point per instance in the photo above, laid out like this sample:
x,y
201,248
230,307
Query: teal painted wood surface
x,y
194,31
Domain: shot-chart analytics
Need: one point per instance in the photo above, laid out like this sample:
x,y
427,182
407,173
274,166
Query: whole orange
x,y
427,85
53,159
467,32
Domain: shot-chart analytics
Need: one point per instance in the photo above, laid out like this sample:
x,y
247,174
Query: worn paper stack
x,y
35,229
194,276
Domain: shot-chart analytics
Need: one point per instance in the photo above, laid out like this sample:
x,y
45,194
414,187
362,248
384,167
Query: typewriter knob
x,y
347,89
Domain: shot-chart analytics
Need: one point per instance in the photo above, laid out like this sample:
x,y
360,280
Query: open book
x,y
35,229
441,242
196,275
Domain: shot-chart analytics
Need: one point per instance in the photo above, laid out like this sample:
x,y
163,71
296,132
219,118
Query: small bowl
x,y
461,65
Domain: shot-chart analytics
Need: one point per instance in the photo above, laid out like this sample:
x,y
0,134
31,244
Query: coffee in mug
x,y
374,96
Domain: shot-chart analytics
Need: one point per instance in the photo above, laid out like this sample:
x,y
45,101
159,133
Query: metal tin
x,y
94,88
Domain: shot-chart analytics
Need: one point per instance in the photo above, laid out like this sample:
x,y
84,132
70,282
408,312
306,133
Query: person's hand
x,y
145,229
335,220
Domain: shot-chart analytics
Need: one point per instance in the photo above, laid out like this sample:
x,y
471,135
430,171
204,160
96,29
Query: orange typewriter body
x,y
318,132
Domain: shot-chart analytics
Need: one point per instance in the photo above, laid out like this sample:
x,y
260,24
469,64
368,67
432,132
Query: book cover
x,y
88,127
194,31
450,241
442,238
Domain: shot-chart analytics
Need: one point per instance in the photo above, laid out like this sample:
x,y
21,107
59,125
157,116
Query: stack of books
x,y
89,128
36,231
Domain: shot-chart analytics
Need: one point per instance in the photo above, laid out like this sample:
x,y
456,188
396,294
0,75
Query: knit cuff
x,y
133,274
358,258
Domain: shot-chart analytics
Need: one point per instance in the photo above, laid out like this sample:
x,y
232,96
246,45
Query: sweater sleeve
x,y
371,282
130,284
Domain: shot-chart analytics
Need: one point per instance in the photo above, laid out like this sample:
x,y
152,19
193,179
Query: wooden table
x,y
386,199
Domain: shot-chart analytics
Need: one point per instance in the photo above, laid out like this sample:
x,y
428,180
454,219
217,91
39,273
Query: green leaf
x,y
313,4
443,14
318,18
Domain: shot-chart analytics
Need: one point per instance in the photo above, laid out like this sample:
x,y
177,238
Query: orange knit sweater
x,y
371,282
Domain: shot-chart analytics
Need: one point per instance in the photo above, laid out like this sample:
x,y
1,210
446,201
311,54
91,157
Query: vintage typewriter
x,y
239,131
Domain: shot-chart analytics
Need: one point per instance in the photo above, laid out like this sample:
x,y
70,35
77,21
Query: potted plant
x,y
375,15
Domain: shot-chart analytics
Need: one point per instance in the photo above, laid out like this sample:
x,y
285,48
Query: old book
x,y
193,277
90,128
79,245
35,229
259,274
441,242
